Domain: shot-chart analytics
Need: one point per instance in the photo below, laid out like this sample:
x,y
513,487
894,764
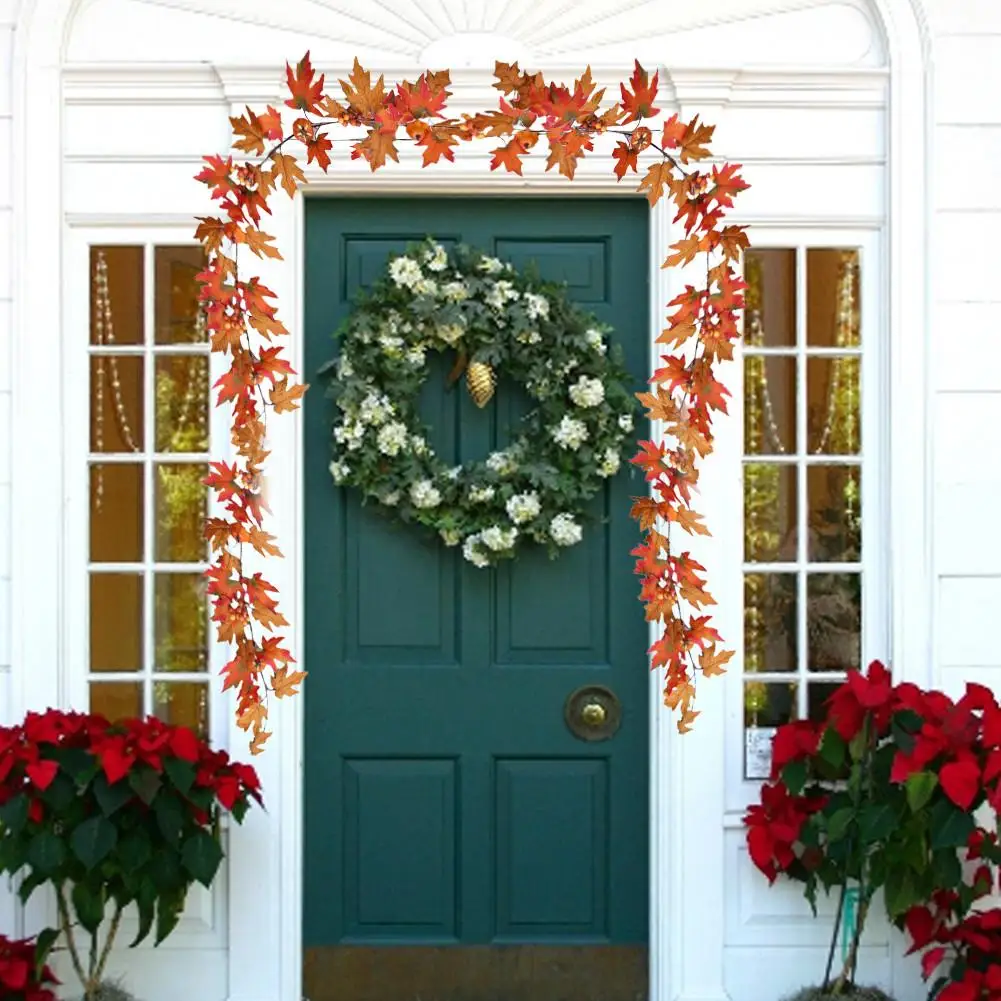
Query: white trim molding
x,y
687,775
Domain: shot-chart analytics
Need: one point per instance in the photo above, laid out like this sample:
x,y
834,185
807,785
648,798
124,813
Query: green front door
x,y
449,809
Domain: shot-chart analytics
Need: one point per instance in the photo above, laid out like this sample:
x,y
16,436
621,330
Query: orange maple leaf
x,y
288,172
260,243
688,717
657,178
361,94
626,158
306,91
375,147
638,102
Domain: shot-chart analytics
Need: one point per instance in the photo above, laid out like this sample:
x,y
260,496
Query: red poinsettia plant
x,y
880,793
24,974
111,815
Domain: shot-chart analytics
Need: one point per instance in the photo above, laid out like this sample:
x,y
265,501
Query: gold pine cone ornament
x,y
481,382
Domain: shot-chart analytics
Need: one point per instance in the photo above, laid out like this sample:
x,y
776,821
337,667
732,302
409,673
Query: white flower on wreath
x,y
345,370
587,392
391,344
472,552
498,539
501,294
451,536
435,258
454,292
375,408
523,507
391,499
339,471
537,306
450,333
626,422
416,356
502,463
539,388
392,438
528,337
419,445
405,272
491,266
480,494
425,286
595,341
454,473
564,531
569,367
350,435
608,464
424,494
570,433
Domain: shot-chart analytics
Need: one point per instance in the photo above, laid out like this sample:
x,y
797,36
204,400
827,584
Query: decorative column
x,y
688,772
265,877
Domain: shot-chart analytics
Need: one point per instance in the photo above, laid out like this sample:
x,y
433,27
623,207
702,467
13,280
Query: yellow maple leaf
x,y
284,684
712,662
287,172
284,397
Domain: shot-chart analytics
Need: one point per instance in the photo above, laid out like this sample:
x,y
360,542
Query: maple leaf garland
x,y
241,313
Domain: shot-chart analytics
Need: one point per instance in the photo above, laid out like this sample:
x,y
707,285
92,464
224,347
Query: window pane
x,y
817,693
116,295
833,405
116,622
181,623
769,622
116,513
834,621
769,703
769,512
832,298
180,512
117,699
769,405
182,403
770,315
178,318
183,703
116,403
834,503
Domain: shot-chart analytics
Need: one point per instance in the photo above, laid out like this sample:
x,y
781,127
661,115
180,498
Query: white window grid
x,y
79,675
871,460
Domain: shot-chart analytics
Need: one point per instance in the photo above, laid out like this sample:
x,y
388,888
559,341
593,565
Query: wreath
x,y
493,319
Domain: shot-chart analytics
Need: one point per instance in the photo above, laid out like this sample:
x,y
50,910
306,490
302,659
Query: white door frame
x,y
686,775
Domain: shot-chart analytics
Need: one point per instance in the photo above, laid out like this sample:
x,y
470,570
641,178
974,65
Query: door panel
x,y
447,803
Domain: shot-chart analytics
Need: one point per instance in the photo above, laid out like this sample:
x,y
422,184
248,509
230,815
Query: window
x,y
810,572
149,430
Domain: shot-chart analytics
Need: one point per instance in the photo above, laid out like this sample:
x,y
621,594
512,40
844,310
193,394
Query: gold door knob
x,y
593,714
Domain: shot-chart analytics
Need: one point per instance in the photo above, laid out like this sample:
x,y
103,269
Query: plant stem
x,y
67,929
834,935
108,942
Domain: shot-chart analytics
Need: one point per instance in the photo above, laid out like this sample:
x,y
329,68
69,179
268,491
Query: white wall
x,y
965,371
